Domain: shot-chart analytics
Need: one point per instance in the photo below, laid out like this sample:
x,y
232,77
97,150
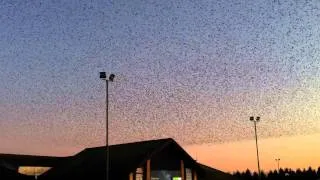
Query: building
x,y
161,159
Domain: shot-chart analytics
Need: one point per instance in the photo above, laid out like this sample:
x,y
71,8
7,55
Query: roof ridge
x,y
155,151
137,142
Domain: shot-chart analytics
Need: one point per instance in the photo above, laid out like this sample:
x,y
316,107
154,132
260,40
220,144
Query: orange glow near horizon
x,y
294,152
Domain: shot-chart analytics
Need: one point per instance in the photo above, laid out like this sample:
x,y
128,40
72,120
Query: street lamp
x,y
255,120
110,78
278,162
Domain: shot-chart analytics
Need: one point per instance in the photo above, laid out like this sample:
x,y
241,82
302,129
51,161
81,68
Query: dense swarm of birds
x,y
193,71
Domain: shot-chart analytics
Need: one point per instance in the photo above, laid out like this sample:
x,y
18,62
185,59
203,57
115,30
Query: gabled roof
x,y
128,155
124,157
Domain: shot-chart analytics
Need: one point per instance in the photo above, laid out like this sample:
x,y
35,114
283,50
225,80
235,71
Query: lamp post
x,y
110,78
278,162
255,120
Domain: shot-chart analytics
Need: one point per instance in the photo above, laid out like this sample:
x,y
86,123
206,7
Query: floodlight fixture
x,y
111,77
103,75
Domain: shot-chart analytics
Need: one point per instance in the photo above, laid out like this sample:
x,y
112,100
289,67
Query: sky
x,y
191,71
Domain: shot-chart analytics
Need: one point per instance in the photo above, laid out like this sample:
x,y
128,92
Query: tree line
x,y
305,174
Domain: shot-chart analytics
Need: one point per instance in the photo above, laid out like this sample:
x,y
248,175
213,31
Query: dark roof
x,y
124,157
30,160
211,173
122,154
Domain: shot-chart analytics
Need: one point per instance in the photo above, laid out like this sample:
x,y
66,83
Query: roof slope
x,y
29,160
123,157
211,173
129,155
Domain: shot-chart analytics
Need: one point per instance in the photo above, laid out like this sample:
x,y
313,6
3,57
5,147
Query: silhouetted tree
x,y
271,175
263,175
283,174
247,174
238,175
299,173
255,176
310,174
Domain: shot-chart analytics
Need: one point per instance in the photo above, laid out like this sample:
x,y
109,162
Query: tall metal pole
x,y
255,130
107,130
278,162
103,76
255,120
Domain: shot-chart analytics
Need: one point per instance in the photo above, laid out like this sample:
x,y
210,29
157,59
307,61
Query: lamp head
x,y
251,118
111,77
258,119
103,75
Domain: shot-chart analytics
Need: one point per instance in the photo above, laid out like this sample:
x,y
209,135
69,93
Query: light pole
x,y
255,120
278,162
110,78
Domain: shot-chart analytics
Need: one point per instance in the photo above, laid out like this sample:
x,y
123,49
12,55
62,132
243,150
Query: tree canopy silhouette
x,y
286,174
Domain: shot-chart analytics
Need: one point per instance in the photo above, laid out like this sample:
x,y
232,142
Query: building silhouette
x,y
161,159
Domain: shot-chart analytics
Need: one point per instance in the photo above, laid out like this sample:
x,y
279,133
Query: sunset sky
x,y
190,70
